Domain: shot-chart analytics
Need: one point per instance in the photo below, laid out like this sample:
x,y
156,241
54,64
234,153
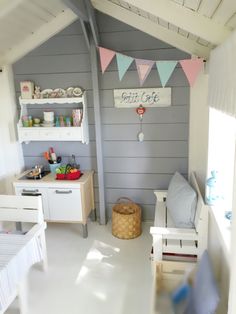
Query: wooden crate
x,y
168,275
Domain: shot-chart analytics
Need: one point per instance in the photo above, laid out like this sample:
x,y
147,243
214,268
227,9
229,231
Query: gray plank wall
x,y
132,169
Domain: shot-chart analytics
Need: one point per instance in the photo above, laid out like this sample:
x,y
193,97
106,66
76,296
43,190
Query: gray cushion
x,y
204,296
181,202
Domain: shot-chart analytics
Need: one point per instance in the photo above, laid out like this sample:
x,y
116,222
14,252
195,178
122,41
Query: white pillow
x,y
181,202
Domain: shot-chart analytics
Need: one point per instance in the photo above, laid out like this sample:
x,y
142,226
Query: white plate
x,y
69,91
46,93
77,91
59,93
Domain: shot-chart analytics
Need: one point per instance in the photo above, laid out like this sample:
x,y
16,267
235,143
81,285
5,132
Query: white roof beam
x,y
184,18
41,35
151,28
7,6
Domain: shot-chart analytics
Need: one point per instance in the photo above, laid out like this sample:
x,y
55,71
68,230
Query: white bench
x,y
18,252
175,243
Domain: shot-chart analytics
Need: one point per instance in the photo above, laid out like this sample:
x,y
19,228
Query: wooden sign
x,y
148,97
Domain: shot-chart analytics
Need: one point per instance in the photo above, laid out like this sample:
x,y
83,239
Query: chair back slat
x,y
21,208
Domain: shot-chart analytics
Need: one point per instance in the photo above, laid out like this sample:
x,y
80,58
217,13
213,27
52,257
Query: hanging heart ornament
x,y
140,111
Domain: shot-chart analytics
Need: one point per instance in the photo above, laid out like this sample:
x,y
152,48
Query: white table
x,y
17,254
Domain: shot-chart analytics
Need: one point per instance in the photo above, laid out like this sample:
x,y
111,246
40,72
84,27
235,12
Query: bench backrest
x,y
201,214
21,208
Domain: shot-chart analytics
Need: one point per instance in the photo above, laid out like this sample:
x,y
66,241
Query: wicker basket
x,y
126,219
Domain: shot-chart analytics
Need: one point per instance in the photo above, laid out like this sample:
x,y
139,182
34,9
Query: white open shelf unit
x,y
27,134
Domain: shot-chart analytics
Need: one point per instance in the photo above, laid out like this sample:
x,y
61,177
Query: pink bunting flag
x,y
106,56
144,67
191,68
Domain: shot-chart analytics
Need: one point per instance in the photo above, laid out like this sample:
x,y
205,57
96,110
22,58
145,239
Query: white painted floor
x,y
98,275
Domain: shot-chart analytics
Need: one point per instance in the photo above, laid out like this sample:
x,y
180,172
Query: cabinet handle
x,y
30,191
63,192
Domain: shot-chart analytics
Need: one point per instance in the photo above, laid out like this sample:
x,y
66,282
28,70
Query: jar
x,y
211,189
25,121
68,121
30,121
57,121
62,122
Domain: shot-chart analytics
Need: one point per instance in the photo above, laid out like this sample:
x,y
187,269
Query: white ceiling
x,y
25,24
195,26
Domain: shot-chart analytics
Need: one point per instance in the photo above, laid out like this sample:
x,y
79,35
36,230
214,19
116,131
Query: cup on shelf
x,y
53,167
76,117
36,120
48,116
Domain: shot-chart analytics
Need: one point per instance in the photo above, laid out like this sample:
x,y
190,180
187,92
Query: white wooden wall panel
x,y
173,27
37,11
181,2
203,42
160,32
184,18
53,6
163,23
208,8
183,32
192,4
232,21
224,11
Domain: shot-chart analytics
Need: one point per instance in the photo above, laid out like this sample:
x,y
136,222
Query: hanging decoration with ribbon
x,y
165,68
140,111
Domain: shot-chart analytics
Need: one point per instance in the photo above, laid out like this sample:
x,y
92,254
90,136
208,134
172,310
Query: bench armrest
x,y
160,195
174,233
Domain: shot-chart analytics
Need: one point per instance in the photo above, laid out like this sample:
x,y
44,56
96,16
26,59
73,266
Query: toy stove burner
x,y
40,176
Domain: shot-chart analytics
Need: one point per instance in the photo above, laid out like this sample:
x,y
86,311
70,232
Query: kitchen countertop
x,y
50,180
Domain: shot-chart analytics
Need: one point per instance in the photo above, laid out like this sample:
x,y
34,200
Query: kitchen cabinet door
x,y
65,204
34,191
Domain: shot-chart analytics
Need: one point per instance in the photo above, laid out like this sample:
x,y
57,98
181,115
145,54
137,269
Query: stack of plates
x,y
47,124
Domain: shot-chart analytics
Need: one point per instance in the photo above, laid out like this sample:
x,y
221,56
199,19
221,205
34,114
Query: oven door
x,y
36,191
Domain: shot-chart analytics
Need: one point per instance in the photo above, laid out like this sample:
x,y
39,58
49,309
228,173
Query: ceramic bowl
x,y
36,120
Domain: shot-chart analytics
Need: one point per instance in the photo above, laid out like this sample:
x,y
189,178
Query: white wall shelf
x,y
27,134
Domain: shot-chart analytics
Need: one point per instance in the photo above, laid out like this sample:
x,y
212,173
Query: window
x,y
221,151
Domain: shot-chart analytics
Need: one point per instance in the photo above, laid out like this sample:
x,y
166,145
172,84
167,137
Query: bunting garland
x,y
106,56
123,63
191,67
144,67
165,69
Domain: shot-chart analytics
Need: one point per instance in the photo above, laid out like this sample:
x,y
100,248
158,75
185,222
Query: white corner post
x,y
11,156
198,129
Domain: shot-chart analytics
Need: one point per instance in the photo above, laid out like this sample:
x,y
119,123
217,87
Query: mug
x,y
48,116
53,167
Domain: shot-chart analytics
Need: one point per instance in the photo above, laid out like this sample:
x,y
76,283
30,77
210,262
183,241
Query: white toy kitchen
x,y
67,191
68,201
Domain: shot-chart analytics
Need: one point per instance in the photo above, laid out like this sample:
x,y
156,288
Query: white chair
x,y
15,248
179,243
